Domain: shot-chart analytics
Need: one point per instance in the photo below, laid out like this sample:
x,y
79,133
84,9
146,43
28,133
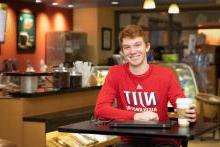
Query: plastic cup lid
x,y
182,101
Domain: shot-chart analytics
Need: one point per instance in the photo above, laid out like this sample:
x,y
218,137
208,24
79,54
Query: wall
x,y
47,19
86,20
91,20
105,19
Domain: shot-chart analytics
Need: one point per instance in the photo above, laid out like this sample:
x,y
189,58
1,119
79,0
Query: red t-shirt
x,y
137,93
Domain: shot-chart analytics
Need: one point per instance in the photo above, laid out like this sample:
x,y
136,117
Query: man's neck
x,y
139,70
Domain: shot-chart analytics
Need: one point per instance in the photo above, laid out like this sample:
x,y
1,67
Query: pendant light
x,y
173,9
149,4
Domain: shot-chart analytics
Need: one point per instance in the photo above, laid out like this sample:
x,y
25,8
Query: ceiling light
x,y
70,6
38,1
54,4
115,3
149,4
173,9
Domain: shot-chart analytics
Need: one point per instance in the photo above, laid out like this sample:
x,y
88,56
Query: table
x,y
175,132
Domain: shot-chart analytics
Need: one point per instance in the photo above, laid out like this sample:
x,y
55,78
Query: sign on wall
x,y
3,15
106,38
26,33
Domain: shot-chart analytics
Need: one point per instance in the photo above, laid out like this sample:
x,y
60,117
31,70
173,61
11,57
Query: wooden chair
x,y
209,99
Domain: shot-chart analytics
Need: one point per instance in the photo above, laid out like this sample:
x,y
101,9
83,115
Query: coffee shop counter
x,y
27,117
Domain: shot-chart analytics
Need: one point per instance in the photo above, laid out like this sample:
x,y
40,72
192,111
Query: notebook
x,y
141,124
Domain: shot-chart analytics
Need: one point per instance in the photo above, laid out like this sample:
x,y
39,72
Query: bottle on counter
x,y
43,66
29,67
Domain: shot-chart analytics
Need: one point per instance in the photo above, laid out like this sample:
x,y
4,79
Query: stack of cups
x,y
182,105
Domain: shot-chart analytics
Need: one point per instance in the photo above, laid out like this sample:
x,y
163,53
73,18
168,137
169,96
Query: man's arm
x,y
175,90
104,105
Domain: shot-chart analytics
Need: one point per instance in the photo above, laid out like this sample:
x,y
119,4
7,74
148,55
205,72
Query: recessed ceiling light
x,y
38,1
54,4
115,2
70,6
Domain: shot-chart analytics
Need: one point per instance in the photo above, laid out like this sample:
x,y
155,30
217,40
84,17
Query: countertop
x,y
47,92
28,74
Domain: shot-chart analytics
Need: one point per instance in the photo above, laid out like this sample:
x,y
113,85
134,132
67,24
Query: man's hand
x,y
146,116
191,113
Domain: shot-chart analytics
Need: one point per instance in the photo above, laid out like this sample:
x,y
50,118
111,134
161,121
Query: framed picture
x,y
106,38
3,17
26,33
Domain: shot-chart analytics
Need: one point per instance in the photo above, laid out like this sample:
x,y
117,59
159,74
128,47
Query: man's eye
x,y
137,45
126,47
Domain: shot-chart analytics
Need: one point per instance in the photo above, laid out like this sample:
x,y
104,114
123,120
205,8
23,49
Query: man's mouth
x,y
135,57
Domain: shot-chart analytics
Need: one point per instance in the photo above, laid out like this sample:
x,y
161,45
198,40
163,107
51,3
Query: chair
x,y
209,99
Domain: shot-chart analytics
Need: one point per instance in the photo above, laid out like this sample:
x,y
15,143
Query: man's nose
x,y
133,49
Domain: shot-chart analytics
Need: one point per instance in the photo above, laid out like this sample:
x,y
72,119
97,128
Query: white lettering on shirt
x,y
134,98
127,97
139,109
151,100
141,99
145,99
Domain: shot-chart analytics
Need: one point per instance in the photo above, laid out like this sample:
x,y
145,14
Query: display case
x,y
186,78
63,139
100,73
184,72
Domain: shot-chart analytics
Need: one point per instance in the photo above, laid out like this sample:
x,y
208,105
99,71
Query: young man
x,y
141,90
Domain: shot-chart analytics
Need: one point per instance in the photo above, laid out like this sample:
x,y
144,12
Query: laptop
x,y
141,124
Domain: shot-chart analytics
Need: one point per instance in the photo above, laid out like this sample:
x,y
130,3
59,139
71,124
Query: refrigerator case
x,y
186,78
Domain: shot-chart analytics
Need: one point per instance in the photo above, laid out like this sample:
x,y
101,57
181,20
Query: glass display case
x,y
100,73
184,72
186,78
64,139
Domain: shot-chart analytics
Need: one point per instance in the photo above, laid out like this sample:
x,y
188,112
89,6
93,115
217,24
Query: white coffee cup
x,y
182,105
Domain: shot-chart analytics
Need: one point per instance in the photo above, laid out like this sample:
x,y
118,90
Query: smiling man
x,y
141,90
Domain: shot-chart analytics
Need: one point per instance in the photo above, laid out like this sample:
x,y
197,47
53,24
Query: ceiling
x,y
105,3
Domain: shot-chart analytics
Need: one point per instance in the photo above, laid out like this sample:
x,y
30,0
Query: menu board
x,y
26,33
3,14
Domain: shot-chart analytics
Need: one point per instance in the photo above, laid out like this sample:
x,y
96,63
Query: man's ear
x,y
121,53
147,47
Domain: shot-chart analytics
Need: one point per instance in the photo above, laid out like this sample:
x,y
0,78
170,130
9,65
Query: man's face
x,y
134,50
